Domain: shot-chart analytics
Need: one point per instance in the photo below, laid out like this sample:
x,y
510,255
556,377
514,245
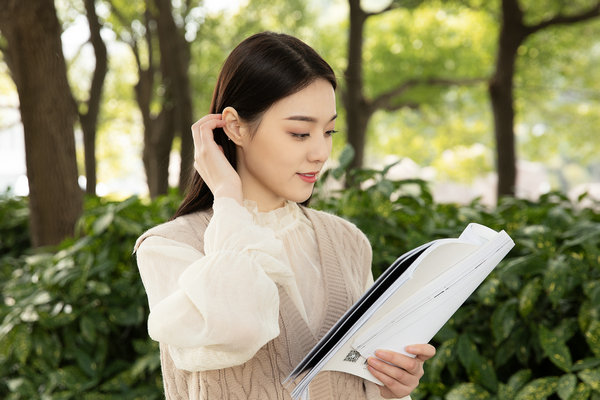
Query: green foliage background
x,y
73,319
451,129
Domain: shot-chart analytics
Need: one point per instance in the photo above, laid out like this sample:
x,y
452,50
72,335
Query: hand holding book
x,y
400,374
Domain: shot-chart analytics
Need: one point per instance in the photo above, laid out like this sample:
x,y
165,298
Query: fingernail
x,y
382,353
373,361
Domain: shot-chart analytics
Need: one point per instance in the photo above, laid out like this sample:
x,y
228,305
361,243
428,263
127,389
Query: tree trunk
x,y
158,135
175,59
89,119
158,138
357,113
158,129
37,65
512,34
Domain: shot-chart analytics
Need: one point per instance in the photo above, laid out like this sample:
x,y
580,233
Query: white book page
x,y
416,312
421,325
437,261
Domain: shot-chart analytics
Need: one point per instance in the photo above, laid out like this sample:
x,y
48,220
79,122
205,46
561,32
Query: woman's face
x,y
284,157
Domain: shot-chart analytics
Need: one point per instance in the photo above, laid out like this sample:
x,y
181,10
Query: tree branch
x,y
390,7
396,4
593,12
384,100
100,54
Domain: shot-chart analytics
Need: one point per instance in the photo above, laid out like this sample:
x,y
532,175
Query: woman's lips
x,y
310,177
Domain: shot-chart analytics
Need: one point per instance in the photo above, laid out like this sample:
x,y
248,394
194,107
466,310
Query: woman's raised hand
x,y
399,373
210,162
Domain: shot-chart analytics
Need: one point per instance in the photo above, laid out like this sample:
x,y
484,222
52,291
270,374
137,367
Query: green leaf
x,y
88,329
85,362
517,381
71,377
504,392
98,288
538,389
587,313
47,346
488,291
582,392
504,319
22,343
346,158
148,362
443,355
132,315
6,342
468,391
556,279
592,336
591,377
565,330
557,351
467,352
566,386
479,369
586,363
592,291
103,222
529,295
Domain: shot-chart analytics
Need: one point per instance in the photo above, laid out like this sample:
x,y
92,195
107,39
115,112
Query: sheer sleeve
x,y
218,308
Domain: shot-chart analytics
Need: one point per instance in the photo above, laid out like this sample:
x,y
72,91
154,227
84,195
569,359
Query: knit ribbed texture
x,y
346,260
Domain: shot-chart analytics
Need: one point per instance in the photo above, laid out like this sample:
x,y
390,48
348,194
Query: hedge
x,y
73,319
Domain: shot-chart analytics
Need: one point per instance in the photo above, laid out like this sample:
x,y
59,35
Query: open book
x,y
408,304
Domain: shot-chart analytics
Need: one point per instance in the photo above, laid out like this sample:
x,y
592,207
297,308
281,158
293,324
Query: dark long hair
x,y
261,70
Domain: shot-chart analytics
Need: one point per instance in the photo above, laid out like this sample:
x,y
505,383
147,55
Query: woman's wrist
x,y
229,193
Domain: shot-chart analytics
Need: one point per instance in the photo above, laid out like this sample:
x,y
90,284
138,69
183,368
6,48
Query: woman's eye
x,y
331,132
299,135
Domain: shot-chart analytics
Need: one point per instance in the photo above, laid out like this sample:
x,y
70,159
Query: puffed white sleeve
x,y
218,308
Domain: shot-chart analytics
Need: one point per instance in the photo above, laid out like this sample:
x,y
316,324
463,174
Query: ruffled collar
x,y
282,218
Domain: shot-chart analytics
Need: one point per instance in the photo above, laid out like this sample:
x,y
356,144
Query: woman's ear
x,y
234,128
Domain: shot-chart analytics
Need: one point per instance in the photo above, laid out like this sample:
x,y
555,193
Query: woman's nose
x,y
320,149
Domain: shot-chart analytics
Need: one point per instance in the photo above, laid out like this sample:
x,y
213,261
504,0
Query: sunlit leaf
x,y
566,386
468,391
538,389
556,350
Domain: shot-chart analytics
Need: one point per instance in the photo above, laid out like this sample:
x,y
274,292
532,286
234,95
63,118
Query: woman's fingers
x,y
398,366
395,384
206,118
210,162
398,372
422,351
202,130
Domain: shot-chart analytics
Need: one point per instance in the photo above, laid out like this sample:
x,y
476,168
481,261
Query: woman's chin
x,y
302,198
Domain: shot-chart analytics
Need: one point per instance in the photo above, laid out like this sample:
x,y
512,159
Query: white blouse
x,y
195,299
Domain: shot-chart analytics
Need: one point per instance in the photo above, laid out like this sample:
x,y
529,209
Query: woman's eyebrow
x,y
306,118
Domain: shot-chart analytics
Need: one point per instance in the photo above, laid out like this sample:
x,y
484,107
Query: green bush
x,y
73,321
14,225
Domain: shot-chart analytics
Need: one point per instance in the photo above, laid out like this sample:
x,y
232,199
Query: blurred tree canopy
x,y
424,66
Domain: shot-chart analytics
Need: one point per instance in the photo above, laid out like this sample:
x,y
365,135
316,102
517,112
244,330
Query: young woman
x,y
245,279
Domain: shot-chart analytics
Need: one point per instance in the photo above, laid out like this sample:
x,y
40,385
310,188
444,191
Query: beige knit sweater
x,y
345,256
